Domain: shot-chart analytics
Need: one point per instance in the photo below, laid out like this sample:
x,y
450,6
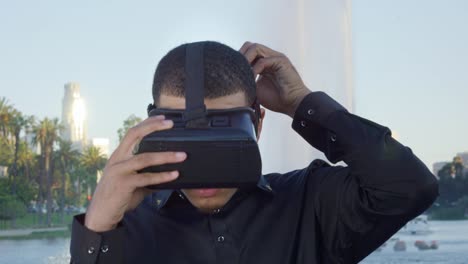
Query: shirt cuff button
x,y
333,138
303,123
104,249
90,250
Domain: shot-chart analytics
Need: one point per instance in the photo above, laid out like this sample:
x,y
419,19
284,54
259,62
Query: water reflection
x,y
453,246
452,238
40,251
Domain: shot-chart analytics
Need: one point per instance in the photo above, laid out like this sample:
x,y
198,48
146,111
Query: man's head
x,y
229,83
226,72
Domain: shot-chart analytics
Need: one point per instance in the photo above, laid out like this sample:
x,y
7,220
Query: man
x,y
320,214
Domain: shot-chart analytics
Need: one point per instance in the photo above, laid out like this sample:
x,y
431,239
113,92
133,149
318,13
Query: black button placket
x,y
223,244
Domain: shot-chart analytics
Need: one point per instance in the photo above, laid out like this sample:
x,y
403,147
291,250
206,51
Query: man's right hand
x,y
121,188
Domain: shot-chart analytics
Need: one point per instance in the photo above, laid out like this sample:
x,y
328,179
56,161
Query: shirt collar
x,y
159,199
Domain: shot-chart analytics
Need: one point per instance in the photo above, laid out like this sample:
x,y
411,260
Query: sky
x,y
409,59
410,70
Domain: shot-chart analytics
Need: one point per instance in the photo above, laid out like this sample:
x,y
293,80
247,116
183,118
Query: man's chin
x,y
207,205
208,200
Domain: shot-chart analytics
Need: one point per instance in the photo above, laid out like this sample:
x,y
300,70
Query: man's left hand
x,y
279,86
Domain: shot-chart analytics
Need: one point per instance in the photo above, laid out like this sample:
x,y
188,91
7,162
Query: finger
x,y
136,133
144,160
245,46
256,50
121,149
271,64
145,179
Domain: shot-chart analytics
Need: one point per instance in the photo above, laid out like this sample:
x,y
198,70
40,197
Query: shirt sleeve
x,y
384,185
90,247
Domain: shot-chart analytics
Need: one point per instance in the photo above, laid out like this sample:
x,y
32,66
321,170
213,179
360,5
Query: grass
x,y
40,235
450,213
32,221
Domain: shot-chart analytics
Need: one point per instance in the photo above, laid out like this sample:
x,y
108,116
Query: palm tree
x,y
6,149
92,161
26,161
66,157
18,123
46,135
5,116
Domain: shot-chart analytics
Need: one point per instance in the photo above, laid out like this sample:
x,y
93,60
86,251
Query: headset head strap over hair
x,y
195,114
195,109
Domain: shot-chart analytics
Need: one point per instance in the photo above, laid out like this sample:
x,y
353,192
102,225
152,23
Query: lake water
x,y
451,235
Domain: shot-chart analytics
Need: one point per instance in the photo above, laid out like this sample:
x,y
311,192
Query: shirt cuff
x,y
311,118
88,246
330,128
317,107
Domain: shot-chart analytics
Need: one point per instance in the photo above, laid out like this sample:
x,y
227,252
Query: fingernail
x,y
167,122
174,174
180,155
159,117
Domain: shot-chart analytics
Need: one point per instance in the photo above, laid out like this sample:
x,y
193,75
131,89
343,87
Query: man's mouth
x,y
206,193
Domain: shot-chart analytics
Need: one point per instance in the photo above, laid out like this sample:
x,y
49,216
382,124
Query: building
x,y
74,116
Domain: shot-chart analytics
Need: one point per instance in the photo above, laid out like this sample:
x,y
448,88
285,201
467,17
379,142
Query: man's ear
x,y
260,123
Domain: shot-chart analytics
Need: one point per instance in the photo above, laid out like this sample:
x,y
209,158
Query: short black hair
x,y
227,72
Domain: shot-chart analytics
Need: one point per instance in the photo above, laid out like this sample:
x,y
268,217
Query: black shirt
x,y
319,214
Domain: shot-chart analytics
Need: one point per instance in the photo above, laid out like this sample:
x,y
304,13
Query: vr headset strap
x,y
195,109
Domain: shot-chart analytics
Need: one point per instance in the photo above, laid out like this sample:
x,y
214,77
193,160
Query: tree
x,y
453,183
6,152
77,176
18,123
46,135
5,116
6,149
458,166
446,172
66,157
92,161
455,169
128,123
11,208
27,161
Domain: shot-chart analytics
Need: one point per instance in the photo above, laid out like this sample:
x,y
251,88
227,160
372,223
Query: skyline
x,y
459,153
413,49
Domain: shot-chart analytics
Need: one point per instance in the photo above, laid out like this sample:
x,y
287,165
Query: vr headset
x,y
221,144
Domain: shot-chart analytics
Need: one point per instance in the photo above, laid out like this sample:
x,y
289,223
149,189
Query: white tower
x,y
316,36
74,116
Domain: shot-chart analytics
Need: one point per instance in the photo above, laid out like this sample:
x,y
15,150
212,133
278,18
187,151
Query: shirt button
x,y
90,250
333,138
104,249
220,239
303,123
310,111
216,211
